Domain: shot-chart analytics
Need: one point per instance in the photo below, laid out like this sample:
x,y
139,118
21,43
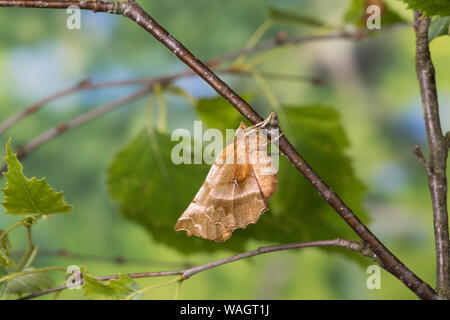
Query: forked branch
x,y
437,166
189,272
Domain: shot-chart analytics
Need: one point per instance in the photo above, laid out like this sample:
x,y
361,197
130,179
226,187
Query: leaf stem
x,y
31,257
38,270
177,290
254,39
28,252
163,284
14,226
161,123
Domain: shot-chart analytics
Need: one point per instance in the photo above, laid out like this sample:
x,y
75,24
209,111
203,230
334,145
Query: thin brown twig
x,y
418,152
104,7
277,42
189,272
283,40
437,165
86,85
83,86
273,76
8,123
268,44
63,253
88,116
28,252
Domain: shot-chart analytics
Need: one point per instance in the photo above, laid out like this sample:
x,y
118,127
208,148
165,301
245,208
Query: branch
x,y
189,272
273,76
23,261
438,144
418,152
30,271
63,253
133,11
283,40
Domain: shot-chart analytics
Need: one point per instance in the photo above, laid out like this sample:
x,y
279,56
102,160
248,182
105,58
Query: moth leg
x,y
274,139
272,116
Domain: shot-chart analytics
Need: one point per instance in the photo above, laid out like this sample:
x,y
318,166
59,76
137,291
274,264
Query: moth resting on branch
x,y
237,187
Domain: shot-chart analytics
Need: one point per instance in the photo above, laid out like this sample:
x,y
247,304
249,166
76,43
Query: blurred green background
x,y
371,83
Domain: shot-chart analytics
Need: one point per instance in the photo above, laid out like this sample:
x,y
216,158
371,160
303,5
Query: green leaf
x,y
154,192
294,17
29,283
439,27
5,259
297,212
430,7
115,289
29,196
356,13
218,113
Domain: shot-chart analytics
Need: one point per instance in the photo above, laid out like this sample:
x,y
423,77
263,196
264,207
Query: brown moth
x,y
236,189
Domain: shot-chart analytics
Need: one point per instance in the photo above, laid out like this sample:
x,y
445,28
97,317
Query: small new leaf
x,y
3,284
29,196
115,289
5,259
439,27
430,7
29,283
